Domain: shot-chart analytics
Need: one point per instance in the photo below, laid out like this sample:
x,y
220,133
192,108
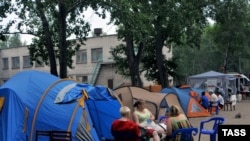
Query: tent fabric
x,y
212,80
29,105
209,74
190,106
195,95
155,102
125,96
172,99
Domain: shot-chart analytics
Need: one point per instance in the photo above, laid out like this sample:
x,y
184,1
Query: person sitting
x,y
229,94
204,100
145,120
124,129
176,121
164,119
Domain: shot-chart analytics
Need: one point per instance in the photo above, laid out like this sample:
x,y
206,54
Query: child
x,y
164,119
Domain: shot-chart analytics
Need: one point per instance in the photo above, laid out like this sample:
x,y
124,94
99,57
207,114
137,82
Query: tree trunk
x,y
159,43
134,61
226,58
48,39
159,60
137,63
62,39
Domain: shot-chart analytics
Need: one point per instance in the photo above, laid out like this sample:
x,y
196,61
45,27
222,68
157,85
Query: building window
x,y
83,79
110,83
96,55
15,62
81,56
39,62
5,63
26,62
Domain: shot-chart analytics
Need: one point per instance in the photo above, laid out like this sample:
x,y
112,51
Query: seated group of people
x,y
143,124
213,100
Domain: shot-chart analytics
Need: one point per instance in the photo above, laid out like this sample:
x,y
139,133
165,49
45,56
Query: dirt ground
x,y
242,107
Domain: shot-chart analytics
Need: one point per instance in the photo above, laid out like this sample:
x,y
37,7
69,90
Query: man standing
x,y
221,100
213,99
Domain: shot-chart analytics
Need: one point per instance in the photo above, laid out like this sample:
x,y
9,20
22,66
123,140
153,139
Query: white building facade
x,y
91,64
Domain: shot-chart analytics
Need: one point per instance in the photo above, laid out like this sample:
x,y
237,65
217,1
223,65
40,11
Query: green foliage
x,y
197,60
121,60
4,7
41,19
231,31
11,41
15,41
3,44
210,56
158,24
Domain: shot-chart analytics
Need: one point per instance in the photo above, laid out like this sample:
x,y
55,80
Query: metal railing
x,y
95,72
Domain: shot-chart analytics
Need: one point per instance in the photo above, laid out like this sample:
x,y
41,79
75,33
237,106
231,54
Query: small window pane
x,y
15,62
81,56
96,55
5,63
26,62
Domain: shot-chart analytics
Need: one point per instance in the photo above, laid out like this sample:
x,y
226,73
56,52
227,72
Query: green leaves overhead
x,y
44,20
157,24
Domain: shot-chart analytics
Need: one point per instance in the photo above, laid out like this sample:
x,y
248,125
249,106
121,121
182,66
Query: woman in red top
x,y
124,129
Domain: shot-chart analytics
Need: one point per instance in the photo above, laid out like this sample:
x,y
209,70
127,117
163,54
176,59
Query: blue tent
x,y
33,100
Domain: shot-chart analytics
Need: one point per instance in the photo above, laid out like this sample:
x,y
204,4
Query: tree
x,y
209,57
129,16
15,41
4,7
3,44
211,53
232,28
178,23
197,60
161,23
52,22
11,41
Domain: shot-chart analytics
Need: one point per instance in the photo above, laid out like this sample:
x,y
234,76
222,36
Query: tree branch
x,y
77,3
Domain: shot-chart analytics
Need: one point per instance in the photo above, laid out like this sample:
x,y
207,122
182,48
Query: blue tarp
x,y
29,105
